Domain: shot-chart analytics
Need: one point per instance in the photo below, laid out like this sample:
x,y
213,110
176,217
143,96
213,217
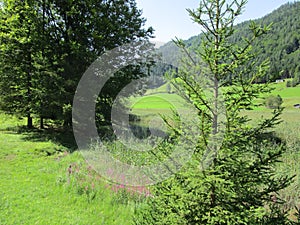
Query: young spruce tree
x,y
231,178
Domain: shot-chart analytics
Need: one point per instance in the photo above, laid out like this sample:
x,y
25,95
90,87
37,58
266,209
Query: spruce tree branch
x,y
190,95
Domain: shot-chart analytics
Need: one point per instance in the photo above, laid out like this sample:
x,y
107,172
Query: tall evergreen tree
x,y
233,181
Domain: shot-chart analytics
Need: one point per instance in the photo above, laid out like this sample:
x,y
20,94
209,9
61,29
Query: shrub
x,y
273,102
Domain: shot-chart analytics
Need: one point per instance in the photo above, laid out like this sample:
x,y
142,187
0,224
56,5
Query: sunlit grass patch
x,y
36,187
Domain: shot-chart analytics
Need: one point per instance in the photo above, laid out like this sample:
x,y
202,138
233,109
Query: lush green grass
x,y
159,99
155,105
35,187
289,95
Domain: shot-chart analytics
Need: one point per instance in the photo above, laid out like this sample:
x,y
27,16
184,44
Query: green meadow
x,y
36,186
160,101
161,98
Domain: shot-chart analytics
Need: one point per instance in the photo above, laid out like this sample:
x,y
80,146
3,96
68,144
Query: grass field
x,y
35,187
289,95
159,101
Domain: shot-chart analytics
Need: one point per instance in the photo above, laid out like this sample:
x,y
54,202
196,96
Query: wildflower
x,y
70,170
274,198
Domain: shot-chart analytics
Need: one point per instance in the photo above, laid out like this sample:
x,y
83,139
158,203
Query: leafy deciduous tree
x,y
47,45
19,35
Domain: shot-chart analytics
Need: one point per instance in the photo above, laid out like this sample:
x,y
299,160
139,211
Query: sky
x,y
170,19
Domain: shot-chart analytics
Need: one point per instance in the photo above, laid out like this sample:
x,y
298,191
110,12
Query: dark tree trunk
x,y
29,85
29,121
41,122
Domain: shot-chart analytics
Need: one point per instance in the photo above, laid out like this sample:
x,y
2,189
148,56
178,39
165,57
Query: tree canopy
x,y
47,45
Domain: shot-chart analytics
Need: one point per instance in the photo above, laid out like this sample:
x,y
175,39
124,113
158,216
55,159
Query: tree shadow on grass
x,y
64,137
59,136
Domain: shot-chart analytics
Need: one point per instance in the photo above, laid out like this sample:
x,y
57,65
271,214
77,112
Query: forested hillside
x,y
280,45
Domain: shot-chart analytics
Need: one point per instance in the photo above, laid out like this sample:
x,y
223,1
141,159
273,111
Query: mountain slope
x,y
280,45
